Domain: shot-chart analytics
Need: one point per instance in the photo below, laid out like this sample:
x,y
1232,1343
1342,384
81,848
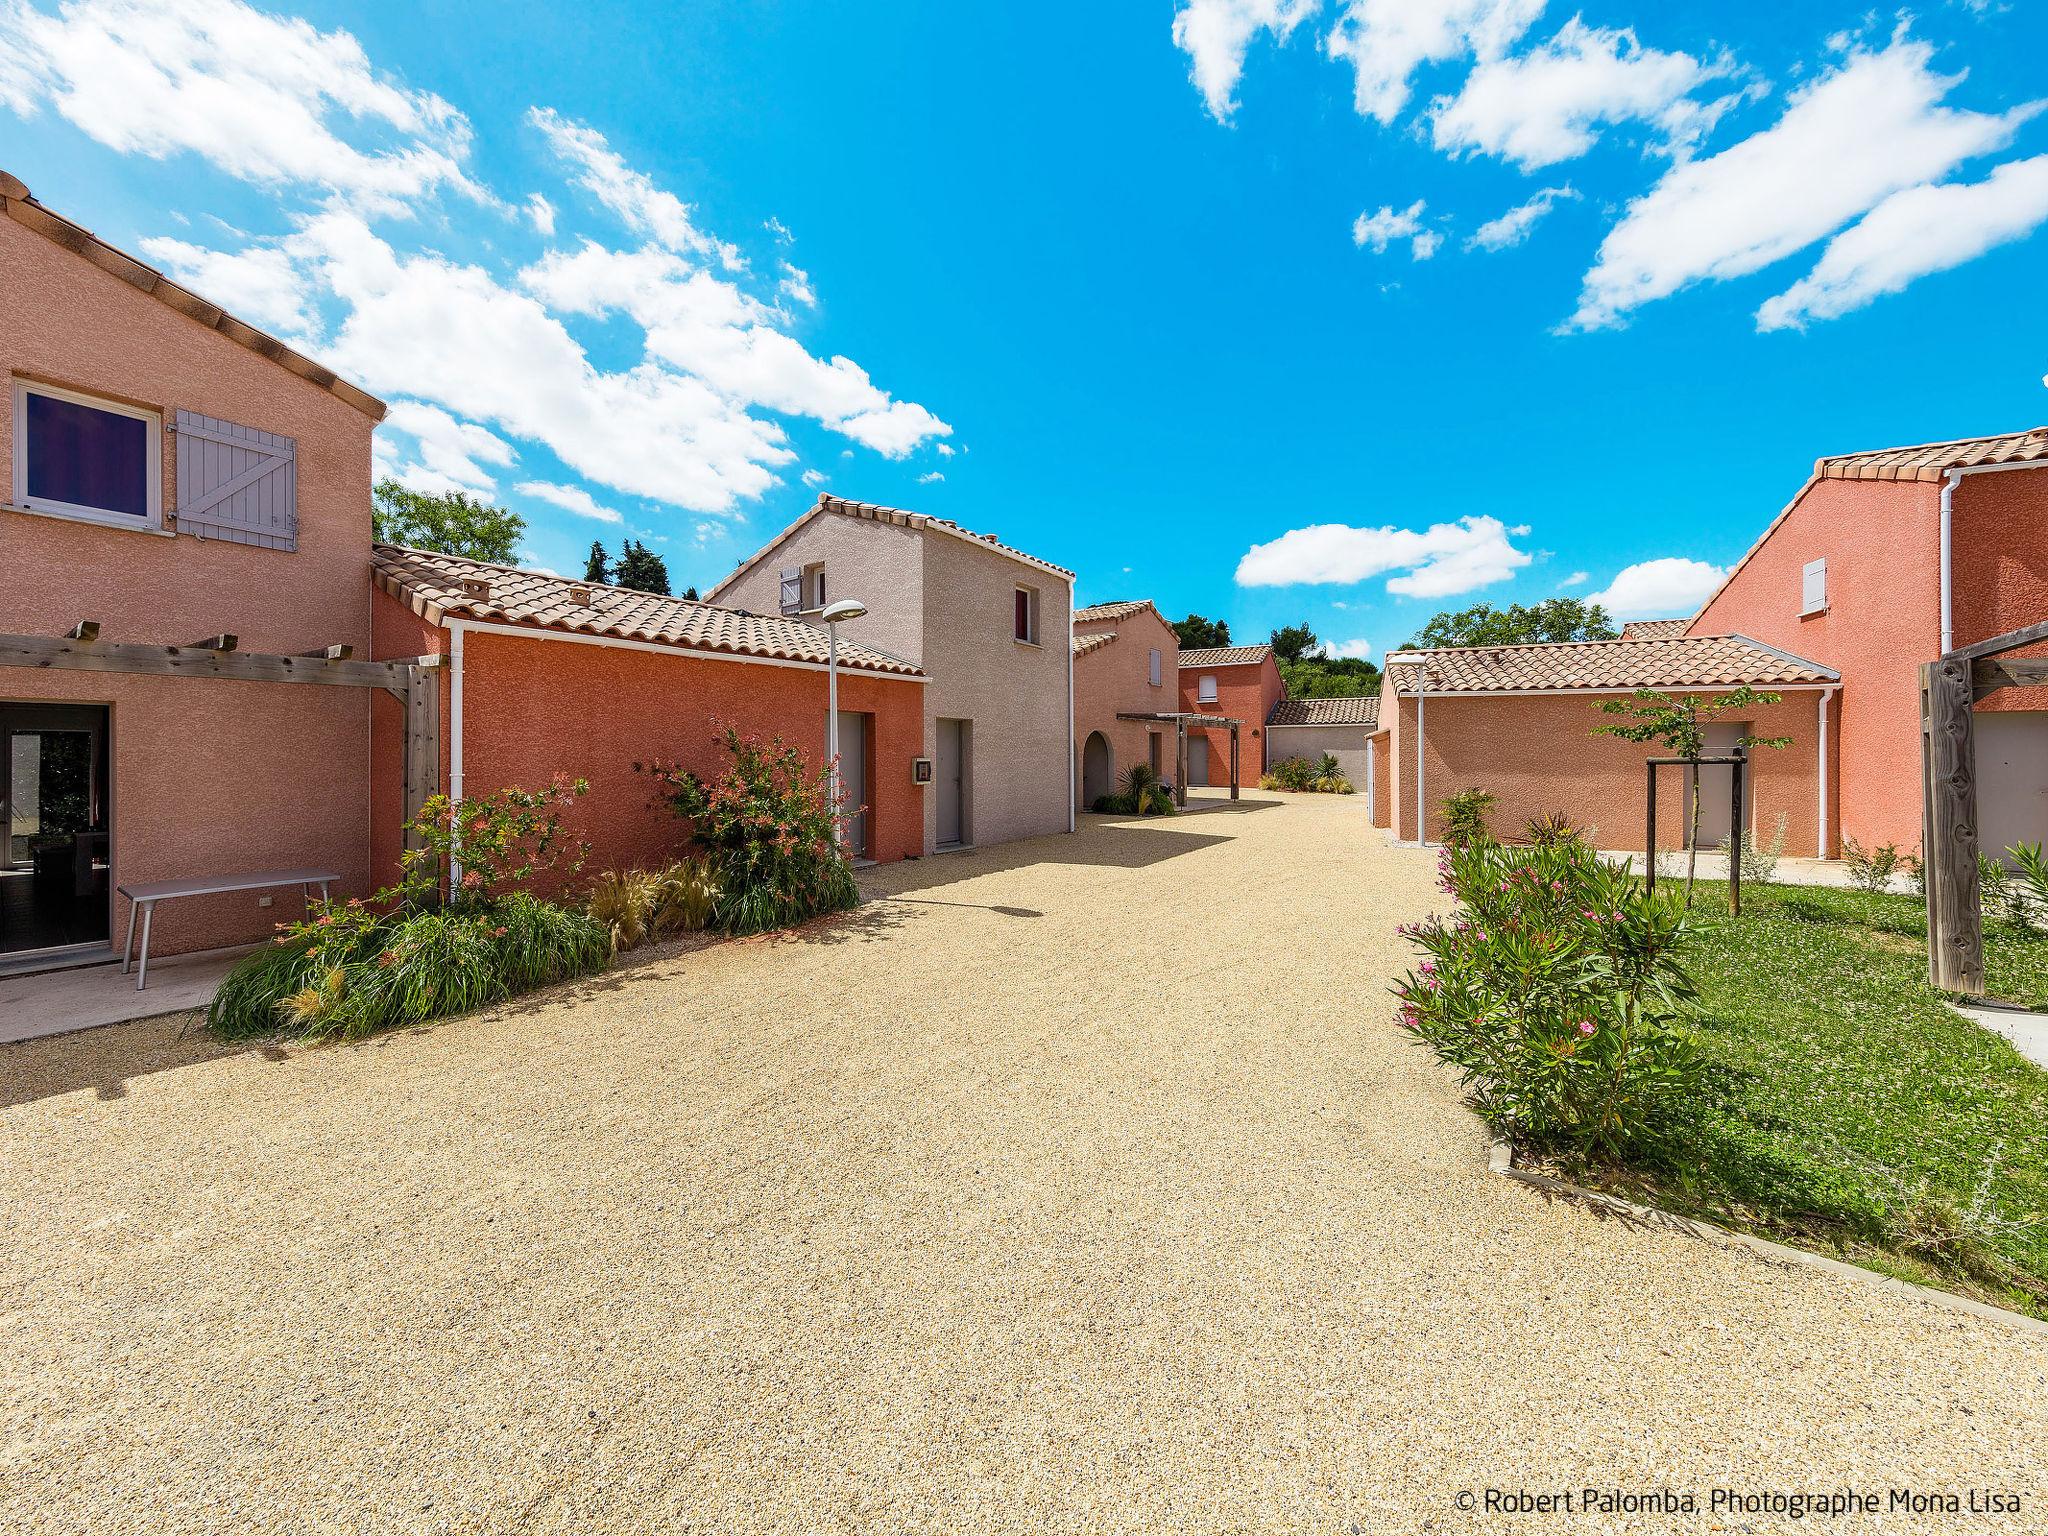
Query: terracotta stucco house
x,y
1882,561
1238,682
173,474
988,625
1124,664
548,676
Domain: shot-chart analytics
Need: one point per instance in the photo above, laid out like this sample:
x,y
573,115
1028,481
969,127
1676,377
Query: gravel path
x,y
1079,1184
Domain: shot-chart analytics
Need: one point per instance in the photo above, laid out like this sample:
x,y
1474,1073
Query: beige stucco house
x,y
991,627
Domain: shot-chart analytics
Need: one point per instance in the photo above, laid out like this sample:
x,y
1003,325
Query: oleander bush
x,y
1558,992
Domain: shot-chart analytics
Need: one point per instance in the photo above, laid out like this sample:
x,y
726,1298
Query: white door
x,y
951,772
1717,785
853,781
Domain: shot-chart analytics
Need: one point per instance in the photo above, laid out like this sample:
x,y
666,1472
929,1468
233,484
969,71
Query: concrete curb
x,y
1501,1160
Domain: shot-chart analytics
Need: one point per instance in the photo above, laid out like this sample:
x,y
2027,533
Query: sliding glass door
x,y
54,863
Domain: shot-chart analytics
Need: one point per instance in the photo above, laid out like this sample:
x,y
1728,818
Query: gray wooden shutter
x,y
792,589
236,483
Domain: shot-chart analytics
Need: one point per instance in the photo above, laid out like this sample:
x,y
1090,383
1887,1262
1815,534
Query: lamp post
x,y
839,612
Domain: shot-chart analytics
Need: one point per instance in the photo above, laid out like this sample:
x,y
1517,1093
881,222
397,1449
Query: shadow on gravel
x,y
107,1057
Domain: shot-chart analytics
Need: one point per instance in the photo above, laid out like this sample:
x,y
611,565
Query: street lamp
x,y
837,614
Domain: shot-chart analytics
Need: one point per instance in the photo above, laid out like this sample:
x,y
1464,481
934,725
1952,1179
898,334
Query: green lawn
x,y
1847,1108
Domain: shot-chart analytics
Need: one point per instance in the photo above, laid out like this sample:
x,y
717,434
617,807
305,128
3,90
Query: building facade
x,y
1124,664
1237,682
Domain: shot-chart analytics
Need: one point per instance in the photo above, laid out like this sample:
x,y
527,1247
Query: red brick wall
x,y
1247,693
208,777
536,708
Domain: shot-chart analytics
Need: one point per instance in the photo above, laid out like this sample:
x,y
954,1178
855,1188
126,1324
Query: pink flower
x,y
471,880
1585,1026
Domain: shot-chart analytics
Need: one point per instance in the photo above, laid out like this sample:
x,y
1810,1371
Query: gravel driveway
x,y
1078,1184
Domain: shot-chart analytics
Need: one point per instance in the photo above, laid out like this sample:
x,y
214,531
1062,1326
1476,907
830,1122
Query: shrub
x,y
636,905
1553,829
1465,816
767,830
1144,792
1333,784
1870,869
685,897
623,901
350,970
1301,775
1558,994
502,840
1760,860
2022,891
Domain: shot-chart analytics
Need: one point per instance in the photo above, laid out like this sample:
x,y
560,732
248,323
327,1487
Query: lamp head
x,y
845,608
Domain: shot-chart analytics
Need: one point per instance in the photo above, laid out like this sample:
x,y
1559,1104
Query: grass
x,y
1847,1108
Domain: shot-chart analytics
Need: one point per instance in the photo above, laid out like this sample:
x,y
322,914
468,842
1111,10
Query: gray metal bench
x,y
147,895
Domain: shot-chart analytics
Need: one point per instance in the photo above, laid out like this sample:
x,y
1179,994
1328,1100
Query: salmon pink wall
x,y
1537,753
533,709
2000,534
1246,692
208,777
1118,677
1882,543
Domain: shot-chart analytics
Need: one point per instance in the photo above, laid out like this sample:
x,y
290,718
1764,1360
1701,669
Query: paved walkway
x,y
1075,1185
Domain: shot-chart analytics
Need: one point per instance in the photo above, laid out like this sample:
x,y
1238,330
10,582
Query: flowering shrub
x,y
500,840
1557,991
766,826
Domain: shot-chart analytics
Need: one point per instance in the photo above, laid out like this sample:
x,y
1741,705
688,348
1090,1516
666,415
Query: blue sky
x,y
1267,309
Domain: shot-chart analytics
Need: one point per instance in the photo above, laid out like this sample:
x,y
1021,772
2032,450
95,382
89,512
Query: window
x,y
1205,690
1027,615
78,456
1813,588
814,587
1155,668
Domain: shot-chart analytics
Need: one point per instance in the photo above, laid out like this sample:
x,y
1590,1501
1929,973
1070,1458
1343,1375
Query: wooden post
x,y
1233,762
422,742
1180,764
1948,841
1650,832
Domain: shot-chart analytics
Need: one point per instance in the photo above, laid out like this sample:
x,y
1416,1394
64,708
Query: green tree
x,y
641,569
1329,677
690,595
1555,618
598,567
1197,633
1293,642
1680,726
452,524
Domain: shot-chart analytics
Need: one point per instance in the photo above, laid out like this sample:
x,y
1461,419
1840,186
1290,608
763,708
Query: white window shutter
x,y
792,595
1155,667
1813,587
236,483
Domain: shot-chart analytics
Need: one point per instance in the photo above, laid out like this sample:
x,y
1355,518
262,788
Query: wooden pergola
x,y
410,681
1949,691
1180,723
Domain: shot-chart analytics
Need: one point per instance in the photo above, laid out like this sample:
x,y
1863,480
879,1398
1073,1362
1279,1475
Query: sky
x,y
1271,310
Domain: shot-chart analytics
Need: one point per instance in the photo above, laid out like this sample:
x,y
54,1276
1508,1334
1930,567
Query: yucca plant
x,y
1146,791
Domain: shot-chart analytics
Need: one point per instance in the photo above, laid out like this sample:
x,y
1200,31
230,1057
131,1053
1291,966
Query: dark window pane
x,y
87,457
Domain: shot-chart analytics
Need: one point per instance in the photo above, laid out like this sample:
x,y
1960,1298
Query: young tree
x,y
1294,642
641,569
452,524
1680,725
1555,618
1197,633
690,595
598,567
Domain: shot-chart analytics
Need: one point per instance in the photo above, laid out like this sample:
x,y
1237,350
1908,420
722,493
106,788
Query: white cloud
x,y
1380,230
814,477
1516,225
267,99
1576,579
1549,103
1668,588
570,498
645,208
945,450
1216,33
1873,126
542,212
1355,650
261,284
1386,41
779,230
796,286
450,454
1442,559
1910,234
930,477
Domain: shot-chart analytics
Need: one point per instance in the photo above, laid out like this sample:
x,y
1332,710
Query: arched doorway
x,y
1097,772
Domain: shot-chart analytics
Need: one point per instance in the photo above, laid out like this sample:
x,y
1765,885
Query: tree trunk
x,y
1692,836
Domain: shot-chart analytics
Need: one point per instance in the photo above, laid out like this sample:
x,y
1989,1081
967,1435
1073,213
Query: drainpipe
x,y
1821,838
1421,800
1371,808
1949,482
455,632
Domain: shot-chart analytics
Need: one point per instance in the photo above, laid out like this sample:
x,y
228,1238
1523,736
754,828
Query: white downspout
x,y
1371,806
1071,787
1421,800
455,633
1949,483
1821,838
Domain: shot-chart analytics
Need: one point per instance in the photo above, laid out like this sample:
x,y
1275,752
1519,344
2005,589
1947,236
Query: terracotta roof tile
x,y
18,205
1653,629
1930,461
439,587
1225,656
1355,709
881,514
1691,661
1096,612
1083,644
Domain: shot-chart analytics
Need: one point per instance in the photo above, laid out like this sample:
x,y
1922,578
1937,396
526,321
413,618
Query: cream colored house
x,y
991,626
